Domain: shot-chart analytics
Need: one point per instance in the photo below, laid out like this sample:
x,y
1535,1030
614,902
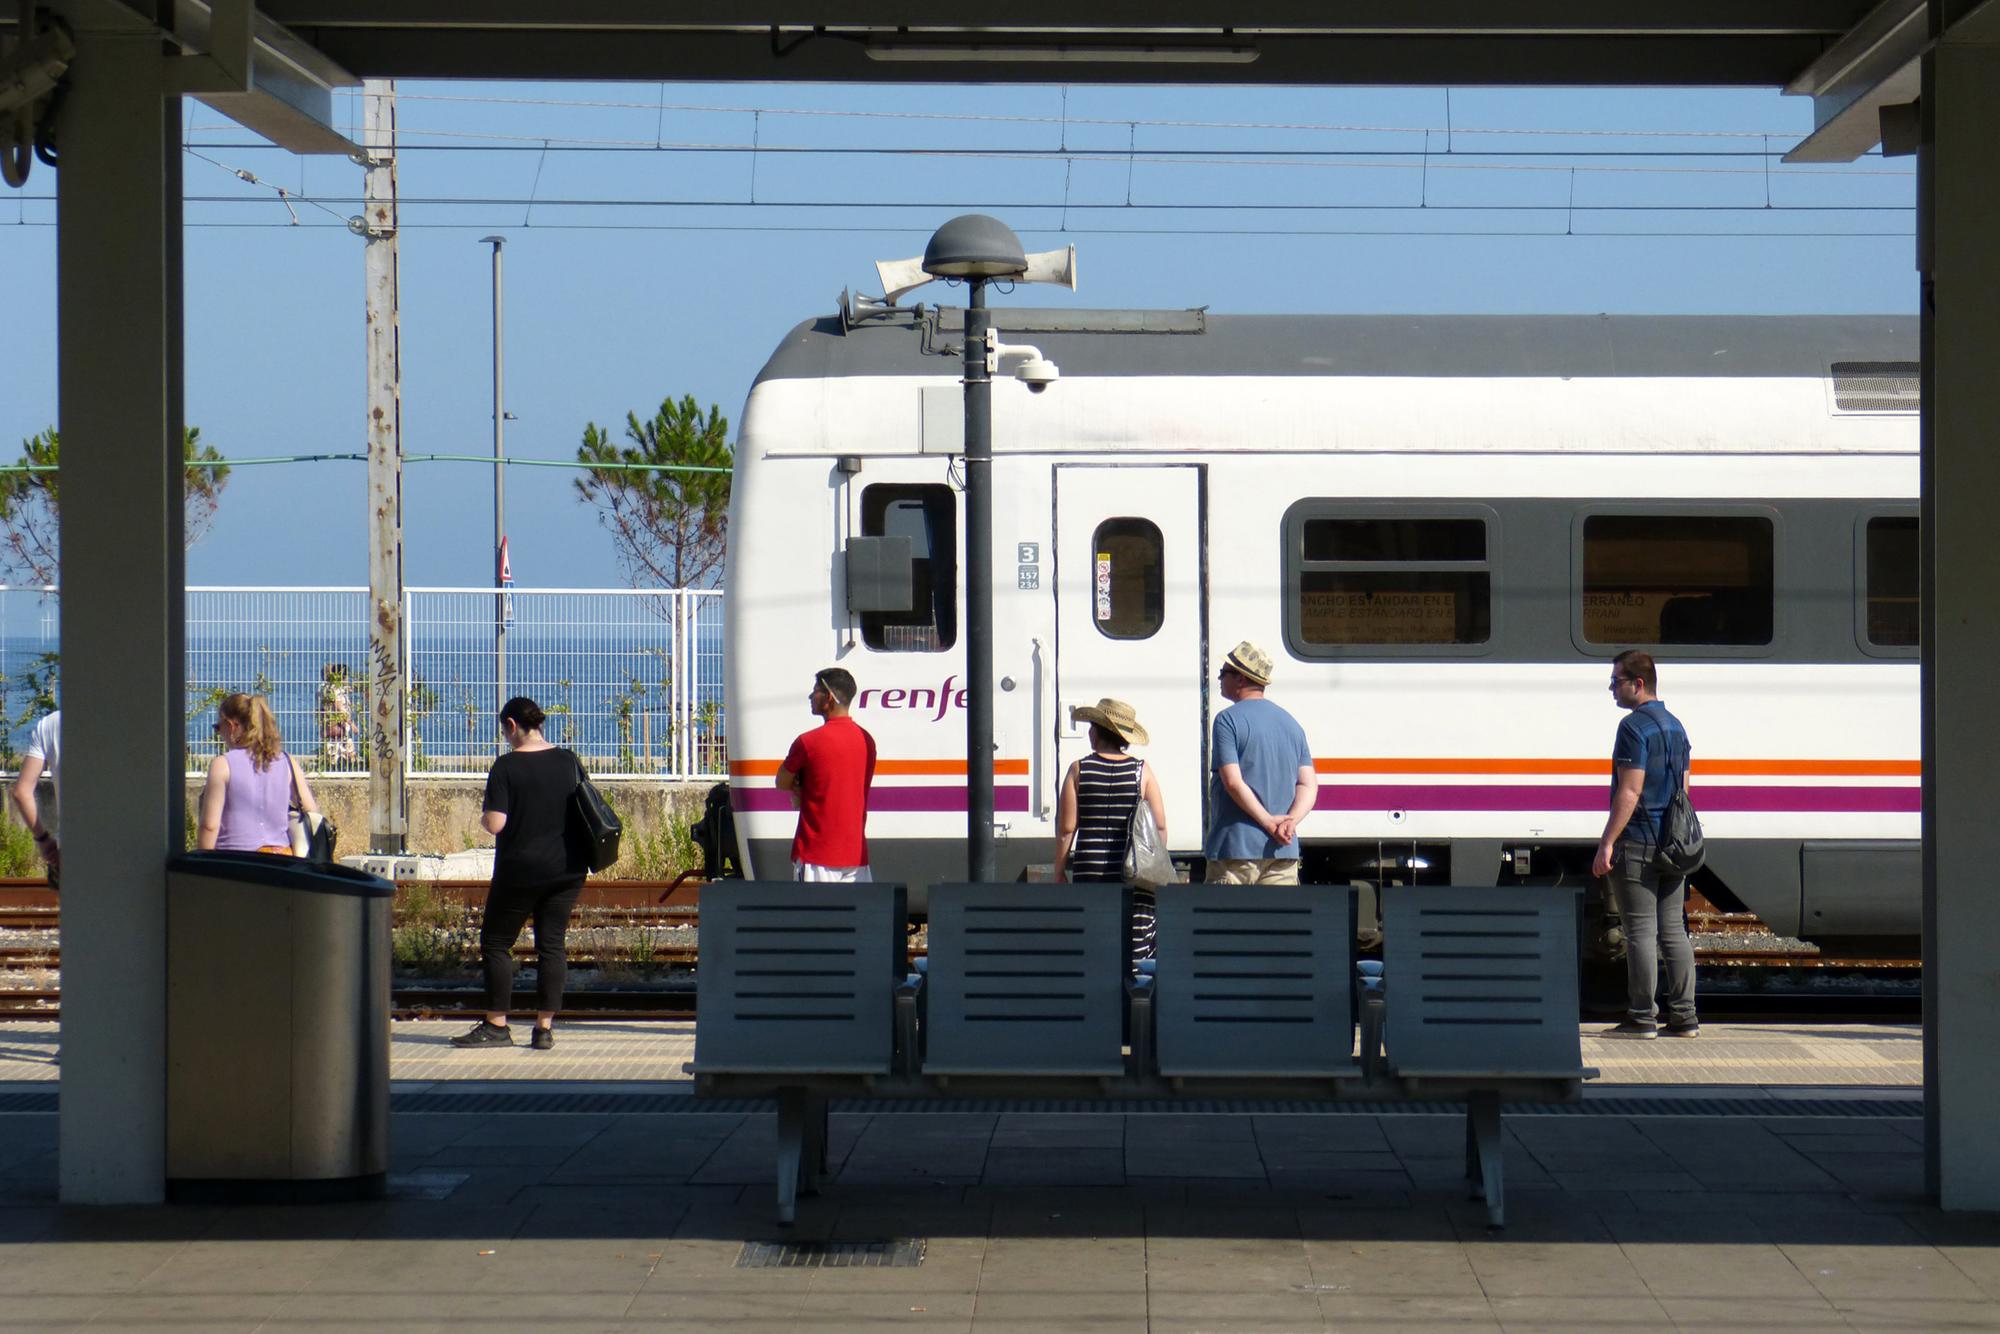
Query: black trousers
x,y
508,908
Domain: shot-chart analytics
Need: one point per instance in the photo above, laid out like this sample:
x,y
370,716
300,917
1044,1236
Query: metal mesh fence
x,y
631,679
303,649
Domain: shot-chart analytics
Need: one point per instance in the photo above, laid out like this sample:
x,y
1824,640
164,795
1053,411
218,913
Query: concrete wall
x,y
444,818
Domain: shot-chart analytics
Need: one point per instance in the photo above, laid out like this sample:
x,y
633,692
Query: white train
x,y
1441,527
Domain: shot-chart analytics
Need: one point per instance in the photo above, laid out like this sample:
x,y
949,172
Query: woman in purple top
x,y
252,783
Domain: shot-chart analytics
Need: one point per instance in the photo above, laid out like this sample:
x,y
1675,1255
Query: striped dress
x,y
1106,793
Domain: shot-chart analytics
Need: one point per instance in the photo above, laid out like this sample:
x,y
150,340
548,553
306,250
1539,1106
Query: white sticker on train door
x,y
1127,577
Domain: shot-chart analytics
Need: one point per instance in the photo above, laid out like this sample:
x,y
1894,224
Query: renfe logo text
x,y
922,697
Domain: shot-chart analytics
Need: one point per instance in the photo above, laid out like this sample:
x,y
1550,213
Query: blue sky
x,y
652,253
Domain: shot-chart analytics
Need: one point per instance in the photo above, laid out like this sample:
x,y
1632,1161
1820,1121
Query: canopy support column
x,y
1958,203
122,760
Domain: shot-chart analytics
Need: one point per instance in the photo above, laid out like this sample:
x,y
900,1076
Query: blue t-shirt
x,y
1270,747
1652,739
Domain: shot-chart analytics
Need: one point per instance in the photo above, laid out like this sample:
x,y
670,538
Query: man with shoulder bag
x,y
1651,843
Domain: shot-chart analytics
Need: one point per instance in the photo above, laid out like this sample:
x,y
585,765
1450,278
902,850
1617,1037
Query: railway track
x,y
1770,983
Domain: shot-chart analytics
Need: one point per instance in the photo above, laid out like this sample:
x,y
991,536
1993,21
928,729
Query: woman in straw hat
x,y
1094,818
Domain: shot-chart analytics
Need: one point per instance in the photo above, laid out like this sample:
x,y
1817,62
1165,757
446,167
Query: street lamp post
x,y
499,483
977,249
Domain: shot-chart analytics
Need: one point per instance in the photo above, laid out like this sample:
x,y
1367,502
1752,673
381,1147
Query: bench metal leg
x,y
812,1165
1483,1156
798,1148
1139,1012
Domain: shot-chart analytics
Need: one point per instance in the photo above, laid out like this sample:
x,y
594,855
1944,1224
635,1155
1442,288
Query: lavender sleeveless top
x,y
254,804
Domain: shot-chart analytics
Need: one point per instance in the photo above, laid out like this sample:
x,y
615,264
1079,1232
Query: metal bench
x,y
1481,999
802,996
798,980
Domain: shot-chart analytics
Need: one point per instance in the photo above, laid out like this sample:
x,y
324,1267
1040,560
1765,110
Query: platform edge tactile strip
x,y
538,1102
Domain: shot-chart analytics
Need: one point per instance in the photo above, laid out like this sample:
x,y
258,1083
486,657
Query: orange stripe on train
x,y
1602,768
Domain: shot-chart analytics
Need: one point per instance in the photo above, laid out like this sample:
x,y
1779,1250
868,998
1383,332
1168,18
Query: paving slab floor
x,y
1748,1204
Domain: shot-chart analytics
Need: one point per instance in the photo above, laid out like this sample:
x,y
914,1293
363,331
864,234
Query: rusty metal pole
x,y
388,683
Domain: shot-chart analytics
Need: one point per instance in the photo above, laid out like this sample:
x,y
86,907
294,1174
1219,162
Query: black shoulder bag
x,y
1680,851
599,824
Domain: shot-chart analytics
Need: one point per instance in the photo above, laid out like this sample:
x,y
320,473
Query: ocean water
x,y
611,690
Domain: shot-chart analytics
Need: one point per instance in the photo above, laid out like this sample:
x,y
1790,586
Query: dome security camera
x,y
1038,373
1028,364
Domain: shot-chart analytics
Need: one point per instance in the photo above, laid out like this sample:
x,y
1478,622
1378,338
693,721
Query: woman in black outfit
x,y
538,871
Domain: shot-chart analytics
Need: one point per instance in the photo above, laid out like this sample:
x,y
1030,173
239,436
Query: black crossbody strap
x,y
1678,780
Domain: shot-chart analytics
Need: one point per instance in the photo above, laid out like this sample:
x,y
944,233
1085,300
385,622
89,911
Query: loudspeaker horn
x,y
900,276
1052,266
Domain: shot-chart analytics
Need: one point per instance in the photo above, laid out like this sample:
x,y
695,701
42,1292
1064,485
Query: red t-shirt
x,y
835,763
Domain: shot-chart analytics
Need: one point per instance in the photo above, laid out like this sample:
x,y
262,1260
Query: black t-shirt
x,y
532,789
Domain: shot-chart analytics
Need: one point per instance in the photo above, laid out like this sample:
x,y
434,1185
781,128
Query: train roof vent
x,y
1875,386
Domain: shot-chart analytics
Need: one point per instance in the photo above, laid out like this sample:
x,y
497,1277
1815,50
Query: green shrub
x,y
18,858
432,932
667,850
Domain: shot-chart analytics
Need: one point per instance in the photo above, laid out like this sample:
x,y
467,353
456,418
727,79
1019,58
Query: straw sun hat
x,y
1250,662
1113,715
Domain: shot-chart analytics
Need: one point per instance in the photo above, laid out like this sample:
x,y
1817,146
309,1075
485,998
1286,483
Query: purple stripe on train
x,y
1006,797
1433,797
1573,797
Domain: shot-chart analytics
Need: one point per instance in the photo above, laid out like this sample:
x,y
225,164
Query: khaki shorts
x,y
1253,870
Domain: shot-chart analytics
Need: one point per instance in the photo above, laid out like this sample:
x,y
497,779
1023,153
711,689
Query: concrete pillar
x,y
119,311
1958,191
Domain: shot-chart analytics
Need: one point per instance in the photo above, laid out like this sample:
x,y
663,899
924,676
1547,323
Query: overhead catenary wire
x,y
532,143
816,229
1260,157
1065,118
1632,162
285,196
1172,206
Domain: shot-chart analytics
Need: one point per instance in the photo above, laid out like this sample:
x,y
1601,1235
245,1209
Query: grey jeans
x,y
1651,910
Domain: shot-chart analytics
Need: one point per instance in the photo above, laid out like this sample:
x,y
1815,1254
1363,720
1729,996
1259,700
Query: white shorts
x,y
831,875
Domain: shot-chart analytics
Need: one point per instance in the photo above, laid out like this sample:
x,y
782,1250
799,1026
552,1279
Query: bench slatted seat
x,y
1481,988
1254,980
798,979
1025,979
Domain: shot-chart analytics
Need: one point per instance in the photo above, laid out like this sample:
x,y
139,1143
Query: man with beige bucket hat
x,y
1264,781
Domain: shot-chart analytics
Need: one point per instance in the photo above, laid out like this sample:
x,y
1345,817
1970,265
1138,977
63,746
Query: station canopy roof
x,y
1363,42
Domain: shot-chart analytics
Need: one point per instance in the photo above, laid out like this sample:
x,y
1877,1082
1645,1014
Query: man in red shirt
x,y
828,773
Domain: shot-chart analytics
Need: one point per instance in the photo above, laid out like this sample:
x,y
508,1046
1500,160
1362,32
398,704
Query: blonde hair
x,y
260,736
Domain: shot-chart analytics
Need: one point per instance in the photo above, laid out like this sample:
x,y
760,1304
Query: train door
x,y
1130,619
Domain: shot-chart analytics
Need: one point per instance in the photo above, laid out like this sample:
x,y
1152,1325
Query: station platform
x,y
1758,1177
1736,1054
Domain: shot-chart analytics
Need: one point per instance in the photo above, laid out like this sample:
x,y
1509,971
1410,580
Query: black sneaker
x,y
483,1034
1690,1029
1631,1030
543,1039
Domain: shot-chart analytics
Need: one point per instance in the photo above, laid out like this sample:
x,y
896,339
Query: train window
x,y
1395,539
1678,579
1131,579
1891,587
928,516
1367,581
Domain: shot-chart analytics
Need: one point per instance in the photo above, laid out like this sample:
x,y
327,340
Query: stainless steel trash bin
x,y
277,1028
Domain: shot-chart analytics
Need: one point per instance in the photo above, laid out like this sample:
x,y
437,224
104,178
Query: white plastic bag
x,y
1147,864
